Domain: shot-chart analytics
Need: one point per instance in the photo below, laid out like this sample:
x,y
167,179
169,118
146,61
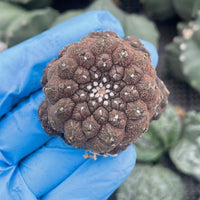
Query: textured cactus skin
x,y
183,54
101,93
160,10
18,25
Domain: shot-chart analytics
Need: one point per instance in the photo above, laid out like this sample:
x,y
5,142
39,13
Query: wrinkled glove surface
x,y
34,165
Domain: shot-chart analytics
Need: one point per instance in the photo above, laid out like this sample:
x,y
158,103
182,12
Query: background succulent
x,y
186,153
160,137
133,24
183,54
160,10
18,24
148,182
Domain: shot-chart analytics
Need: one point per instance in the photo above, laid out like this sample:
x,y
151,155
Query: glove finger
x,y
153,52
21,132
21,66
95,179
47,167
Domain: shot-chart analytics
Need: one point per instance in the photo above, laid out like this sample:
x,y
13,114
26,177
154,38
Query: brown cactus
x,y
101,93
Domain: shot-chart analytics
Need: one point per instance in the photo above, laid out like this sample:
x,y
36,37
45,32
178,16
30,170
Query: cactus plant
x,y
183,54
161,136
133,24
128,5
160,10
101,93
186,9
17,24
186,154
30,3
148,182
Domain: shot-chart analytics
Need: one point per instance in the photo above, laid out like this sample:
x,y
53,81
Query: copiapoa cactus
x,y
17,24
101,93
183,54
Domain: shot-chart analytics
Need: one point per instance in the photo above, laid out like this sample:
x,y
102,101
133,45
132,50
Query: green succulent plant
x,y
161,136
18,24
148,182
182,57
186,153
30,3
160,10
186,9
133,24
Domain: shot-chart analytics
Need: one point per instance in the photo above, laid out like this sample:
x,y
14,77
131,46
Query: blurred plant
x,y
148,182
133,24
128,5
186,9
165,9
162,135
30,3
3,46
18,24
182,57
160,10
186,154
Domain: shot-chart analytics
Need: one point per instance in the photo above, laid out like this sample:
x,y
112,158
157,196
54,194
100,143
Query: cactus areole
x,y
101,93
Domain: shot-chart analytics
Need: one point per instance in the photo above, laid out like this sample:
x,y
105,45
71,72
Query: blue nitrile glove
x,y
34,165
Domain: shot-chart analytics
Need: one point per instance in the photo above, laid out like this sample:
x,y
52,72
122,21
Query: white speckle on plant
x,y
104,79
105,103
100,112
97,95
116,86
132,75
82,108
111,94
61,109
106,96
183,46
182,58
100,99
95,83
108,86
89,87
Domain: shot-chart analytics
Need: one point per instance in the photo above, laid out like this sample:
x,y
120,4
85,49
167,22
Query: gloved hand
x,y
34,165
